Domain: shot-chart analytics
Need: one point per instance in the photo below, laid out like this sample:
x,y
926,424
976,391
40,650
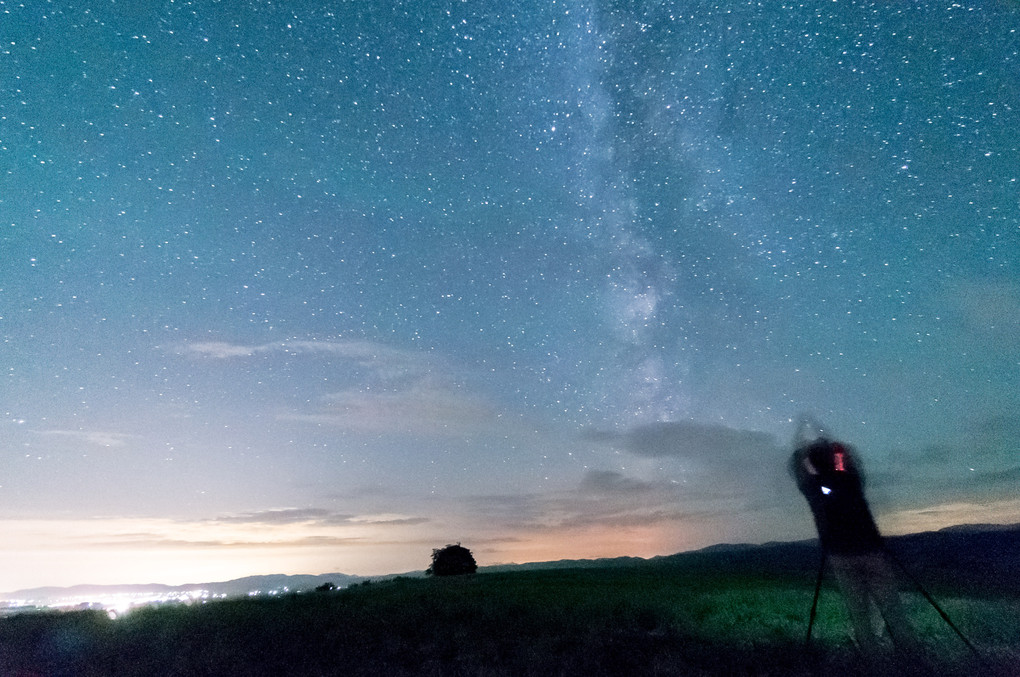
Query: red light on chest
x,y
839,461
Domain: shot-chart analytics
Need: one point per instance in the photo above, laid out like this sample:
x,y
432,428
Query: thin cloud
x,y
689,439
707,462
951,483
91,437
609,482
286,516
387,518
424,408
299,527
222,350
367,352
367,363
314,517
608,514
677,483
938,516
503,508
994,435
1000,478
980,461
158,541
363,353
602,498
620,519
391,390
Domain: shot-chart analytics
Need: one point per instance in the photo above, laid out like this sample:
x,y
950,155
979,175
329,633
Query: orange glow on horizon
x,y
593,542
933,518
140,550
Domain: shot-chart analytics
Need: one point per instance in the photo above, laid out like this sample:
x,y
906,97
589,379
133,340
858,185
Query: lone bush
x,y
453,560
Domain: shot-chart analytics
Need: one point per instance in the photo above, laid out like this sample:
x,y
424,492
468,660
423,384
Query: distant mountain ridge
x,y
238,587
978,558
983,557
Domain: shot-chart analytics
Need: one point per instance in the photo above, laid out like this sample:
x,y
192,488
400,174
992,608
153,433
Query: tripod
x,y
911,578
934,604
814,602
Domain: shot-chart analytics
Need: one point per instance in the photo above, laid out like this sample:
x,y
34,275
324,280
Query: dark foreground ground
x,y
713,616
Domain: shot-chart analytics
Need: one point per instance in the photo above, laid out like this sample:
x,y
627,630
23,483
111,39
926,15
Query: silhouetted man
x,y
828,474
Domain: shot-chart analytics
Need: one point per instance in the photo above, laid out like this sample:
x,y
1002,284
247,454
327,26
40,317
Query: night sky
x,y
297,287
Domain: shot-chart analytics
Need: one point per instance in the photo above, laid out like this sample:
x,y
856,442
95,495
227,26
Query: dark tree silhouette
x,y
453,560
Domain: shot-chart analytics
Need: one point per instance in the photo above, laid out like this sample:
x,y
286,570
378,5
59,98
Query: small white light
x,y
826,490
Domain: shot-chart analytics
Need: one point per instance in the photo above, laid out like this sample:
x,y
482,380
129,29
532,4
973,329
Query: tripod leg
x,y
814,602
935,605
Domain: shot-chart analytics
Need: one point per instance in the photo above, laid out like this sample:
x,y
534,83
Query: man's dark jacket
x,y
828,476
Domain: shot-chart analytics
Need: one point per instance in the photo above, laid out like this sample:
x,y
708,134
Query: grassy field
x,y
634,620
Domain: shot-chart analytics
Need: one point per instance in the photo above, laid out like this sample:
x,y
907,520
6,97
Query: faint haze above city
x,y
298,289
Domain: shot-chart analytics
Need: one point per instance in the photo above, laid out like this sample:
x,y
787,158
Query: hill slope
x,y
737,610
